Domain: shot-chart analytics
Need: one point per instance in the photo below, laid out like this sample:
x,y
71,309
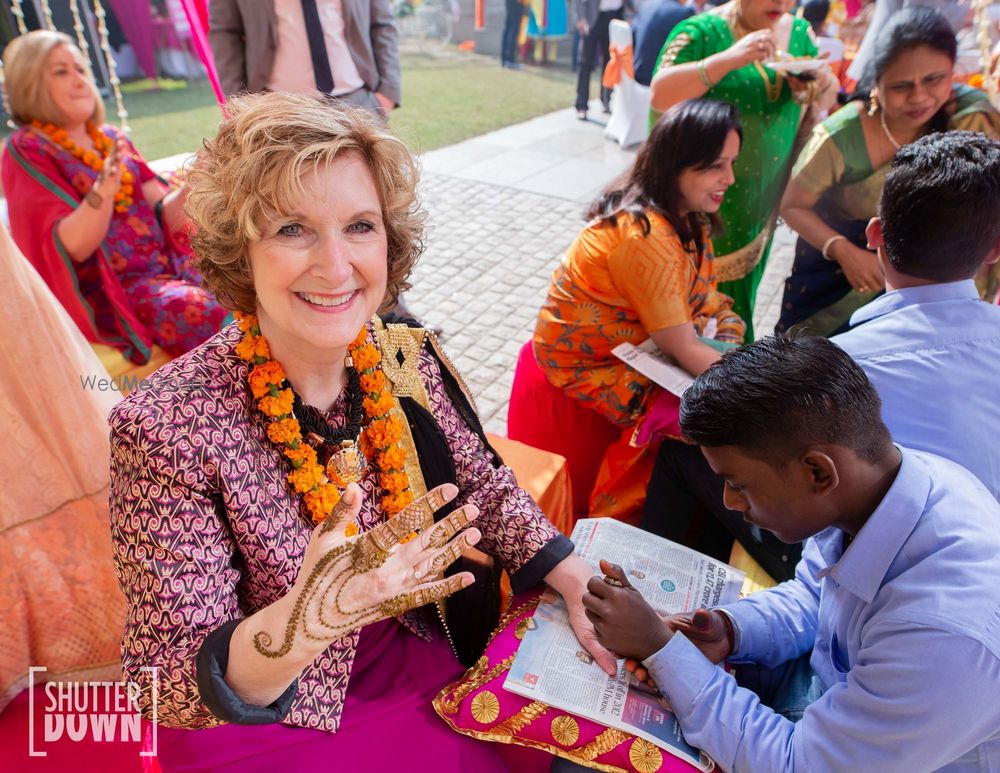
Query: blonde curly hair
x,y
250,174
24,61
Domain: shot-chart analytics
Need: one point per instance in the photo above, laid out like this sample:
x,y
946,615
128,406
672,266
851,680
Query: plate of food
x,y
794,66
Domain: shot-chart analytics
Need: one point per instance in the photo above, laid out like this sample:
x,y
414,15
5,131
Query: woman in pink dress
x,y
280,643
92,217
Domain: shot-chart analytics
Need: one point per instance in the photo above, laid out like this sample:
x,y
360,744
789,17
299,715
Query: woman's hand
x,y
758,46
860,267
109,179
569,578
349,582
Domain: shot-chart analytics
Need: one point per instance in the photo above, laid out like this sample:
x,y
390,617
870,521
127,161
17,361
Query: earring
x,y
872,102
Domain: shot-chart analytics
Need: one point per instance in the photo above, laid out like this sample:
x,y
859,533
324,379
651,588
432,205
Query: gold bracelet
x,y
828,243
703,74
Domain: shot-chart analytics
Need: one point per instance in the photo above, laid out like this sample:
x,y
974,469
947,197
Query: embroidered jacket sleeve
x,y
515,530
174,558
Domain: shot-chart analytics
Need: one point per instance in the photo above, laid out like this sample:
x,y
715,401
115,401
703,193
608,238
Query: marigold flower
x,y
306,478
365,357
391,458
304,453
362,337
285,431
245,348
277,407
394,503
395,482
263,376
373,382
351,530
321,502
378,407
263,349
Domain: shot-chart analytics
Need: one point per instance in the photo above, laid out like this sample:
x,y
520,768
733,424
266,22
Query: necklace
x,y
95,160
888,134
345,450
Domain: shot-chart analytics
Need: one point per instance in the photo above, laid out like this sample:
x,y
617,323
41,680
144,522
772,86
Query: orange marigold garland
x,y
95,160
379,439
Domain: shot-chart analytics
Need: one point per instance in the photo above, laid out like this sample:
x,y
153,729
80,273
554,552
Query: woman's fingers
x,y
435,565
414,517
426,594
442,532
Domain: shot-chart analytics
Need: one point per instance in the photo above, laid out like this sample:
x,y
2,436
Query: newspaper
x,y
552,667
654,365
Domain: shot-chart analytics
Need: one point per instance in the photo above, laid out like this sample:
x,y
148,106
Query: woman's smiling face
x,y
320,272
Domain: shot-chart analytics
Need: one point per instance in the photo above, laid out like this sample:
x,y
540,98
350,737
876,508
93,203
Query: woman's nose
x,y
332,260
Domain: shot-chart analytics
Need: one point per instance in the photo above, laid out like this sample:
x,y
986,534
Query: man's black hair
x,y
775,398
940,206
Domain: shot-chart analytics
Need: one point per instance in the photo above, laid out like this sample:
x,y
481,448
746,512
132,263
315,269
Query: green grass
x,y
446,99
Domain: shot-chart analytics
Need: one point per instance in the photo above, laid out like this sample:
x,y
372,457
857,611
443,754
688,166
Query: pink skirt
x,y
388,722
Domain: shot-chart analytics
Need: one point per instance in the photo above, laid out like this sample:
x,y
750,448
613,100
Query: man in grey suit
x,y
348,49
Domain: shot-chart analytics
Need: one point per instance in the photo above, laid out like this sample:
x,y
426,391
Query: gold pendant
x,y
346,465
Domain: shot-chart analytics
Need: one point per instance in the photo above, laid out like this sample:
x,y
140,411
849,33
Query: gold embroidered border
x,y
736,265
676,46
517,722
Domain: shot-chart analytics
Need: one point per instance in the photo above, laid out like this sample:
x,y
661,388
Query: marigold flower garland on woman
x,y
251,612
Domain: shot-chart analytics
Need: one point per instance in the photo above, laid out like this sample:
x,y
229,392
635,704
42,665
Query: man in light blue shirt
x,y
929,345
894,613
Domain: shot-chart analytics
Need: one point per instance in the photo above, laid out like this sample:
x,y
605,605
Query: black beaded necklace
x,y
318,433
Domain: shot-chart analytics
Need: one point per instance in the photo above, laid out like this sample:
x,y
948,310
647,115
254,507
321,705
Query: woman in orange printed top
x,y
642,268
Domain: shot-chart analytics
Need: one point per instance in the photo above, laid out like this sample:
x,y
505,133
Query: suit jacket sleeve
x,y
226,35
385,44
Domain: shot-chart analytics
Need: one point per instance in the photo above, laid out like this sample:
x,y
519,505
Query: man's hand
x,y
384,102
623,621
708,629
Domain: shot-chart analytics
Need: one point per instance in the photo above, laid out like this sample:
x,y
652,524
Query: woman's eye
x,y
290,229
361,227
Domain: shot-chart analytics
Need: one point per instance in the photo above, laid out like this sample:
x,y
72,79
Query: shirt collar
x,y
910,296
861,568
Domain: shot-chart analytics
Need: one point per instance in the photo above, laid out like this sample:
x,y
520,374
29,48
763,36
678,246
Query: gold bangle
x,y
703,74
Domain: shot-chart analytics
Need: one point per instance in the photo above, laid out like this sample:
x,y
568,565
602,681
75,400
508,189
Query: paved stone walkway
x,y
503,207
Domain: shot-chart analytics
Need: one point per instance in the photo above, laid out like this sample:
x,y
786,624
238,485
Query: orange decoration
x,y
379,440
103,143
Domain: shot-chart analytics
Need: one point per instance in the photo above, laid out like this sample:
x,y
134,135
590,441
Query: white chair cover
x,y
629,121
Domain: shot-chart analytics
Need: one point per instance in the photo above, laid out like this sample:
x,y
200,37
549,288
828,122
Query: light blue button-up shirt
x,y
904,628
933,354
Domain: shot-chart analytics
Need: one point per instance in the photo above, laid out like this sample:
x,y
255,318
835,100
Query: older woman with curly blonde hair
x,y
291,501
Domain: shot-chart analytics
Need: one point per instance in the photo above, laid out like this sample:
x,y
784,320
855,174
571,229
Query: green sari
x,y
770,119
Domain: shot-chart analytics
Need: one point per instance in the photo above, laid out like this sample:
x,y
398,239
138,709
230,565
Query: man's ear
x,y
821,471
994,254
874,234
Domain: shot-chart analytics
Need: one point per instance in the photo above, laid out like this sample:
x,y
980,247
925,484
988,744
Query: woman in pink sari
x,y
285,590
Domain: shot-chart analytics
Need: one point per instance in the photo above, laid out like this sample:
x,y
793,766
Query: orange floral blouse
x,y
614,285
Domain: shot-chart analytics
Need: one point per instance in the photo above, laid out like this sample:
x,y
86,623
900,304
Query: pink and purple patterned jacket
x,y
207,530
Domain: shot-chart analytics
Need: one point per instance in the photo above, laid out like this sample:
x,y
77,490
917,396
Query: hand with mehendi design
x,y
349,582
